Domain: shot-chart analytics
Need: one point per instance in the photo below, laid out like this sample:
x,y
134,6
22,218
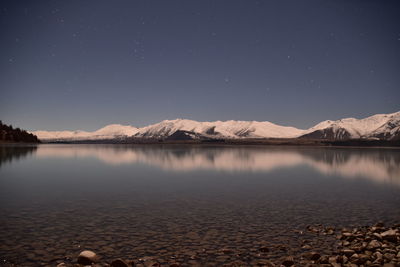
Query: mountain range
x,y
376,127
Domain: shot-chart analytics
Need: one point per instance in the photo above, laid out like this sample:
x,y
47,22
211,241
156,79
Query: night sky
x,y
84,64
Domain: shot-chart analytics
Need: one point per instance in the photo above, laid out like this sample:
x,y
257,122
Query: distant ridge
x,y
376,127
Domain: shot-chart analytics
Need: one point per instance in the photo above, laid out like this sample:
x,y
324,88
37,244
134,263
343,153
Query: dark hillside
x,y
10,135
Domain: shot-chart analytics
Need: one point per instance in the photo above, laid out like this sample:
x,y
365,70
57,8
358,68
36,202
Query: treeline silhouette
x,y
9,134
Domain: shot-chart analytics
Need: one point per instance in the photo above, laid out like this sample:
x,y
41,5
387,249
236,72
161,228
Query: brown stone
x,y
348,252
152,264
313,256
288,261
323,259
87,257
389,235
265,263
119,263
374,244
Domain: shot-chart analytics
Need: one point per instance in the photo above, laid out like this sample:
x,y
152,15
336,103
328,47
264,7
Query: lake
x,y
190,204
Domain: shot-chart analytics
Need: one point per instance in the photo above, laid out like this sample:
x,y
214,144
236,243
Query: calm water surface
x,y
185,202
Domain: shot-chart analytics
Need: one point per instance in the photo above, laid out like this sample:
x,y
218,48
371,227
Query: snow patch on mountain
x,y
389,131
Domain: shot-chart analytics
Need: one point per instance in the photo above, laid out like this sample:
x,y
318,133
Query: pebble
x,y
119,263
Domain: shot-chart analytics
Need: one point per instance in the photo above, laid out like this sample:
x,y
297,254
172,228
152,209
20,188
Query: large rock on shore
x,y
87,257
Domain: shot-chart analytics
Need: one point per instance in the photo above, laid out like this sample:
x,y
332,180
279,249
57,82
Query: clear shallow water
x,y
181,201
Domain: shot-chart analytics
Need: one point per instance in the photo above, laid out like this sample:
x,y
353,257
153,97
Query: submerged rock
x,y
288,261
152,264
265,263
314,256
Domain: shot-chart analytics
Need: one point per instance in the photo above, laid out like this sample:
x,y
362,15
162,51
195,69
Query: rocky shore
x,y
376,245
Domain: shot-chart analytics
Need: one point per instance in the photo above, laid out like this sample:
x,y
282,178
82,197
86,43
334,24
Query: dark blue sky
x,y
84,64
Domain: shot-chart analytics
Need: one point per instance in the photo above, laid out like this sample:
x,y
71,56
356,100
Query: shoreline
x,y
269,142
279,142
374,245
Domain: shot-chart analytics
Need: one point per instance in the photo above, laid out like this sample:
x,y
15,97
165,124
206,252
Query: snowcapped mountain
x,y
180,128
108,132
380,126
220,129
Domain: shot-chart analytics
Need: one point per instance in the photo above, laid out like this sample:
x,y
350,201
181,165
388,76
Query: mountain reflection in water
x,y
379,165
